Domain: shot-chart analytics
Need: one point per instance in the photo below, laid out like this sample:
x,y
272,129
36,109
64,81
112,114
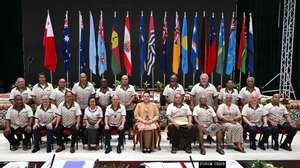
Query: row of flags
x,y
210,54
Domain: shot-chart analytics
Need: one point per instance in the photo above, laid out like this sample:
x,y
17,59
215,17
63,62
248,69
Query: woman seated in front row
x,y
146,115
91,121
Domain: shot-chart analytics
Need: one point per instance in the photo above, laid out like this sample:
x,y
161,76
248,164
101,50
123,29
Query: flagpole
x,y
67,75
152,78
183,78
51,77
79,46
212,78
240,79
164,79
193,78
222,79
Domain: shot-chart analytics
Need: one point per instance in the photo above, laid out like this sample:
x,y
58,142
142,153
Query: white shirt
x,y
45,116
104,98
83,94
210,92
26,94
92,116
245,94
39,90
115,117
180,114
275,114
68,115
126,95
170,92
205,116
225,111
255,116
58,95
224,92
19,118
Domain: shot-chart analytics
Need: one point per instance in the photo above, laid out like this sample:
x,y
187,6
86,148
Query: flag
x,y
101,47
66,48
82,60
50,59
221,48
142,44
151,46
250,47
242,54
115,56
92,47
212,49
127,47
231,47
176,46
164,62
184,45
203,44
195,43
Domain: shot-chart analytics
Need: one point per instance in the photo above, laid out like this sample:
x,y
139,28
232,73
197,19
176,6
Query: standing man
x,y
204,88
58,94
115,117
246,91
180,127
41,88
83,90
18,120
279,118
229,90
104,94
127,94
172,89
22,90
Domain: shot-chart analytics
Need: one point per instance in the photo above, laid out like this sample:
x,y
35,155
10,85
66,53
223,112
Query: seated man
x,y
279,118
18,122
45,119
114,119
206,120
254,119
180,128
68,118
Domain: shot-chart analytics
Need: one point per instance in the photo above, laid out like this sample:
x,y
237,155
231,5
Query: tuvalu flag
x,y
101,47
115,55
184,45
50,59
212,49
241,64
221,48
176,46
127,46
195,42
231,55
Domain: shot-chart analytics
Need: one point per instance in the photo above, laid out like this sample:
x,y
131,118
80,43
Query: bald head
x,y
20,82
83,78
204,79
124,80
61,83
173,80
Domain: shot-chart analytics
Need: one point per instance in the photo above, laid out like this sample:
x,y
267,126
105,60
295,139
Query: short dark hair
x,y
90,98
42,74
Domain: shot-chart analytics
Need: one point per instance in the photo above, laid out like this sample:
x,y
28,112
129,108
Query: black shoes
x,y
60,148
220,150
188,150
173,150
119,149
261,145
286,147
202,150
72,149
35,149
49,148
253,145
107,149
276,147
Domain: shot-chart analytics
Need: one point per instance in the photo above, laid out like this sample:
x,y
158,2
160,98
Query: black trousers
x,y
129,119
86,135
291,132
266,131
37,135
181,136
59,134
19,132
107,134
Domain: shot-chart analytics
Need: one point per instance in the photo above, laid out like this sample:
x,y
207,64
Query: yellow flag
x,y
176,47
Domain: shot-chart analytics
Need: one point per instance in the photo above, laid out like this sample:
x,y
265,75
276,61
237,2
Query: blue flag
x,y
195,44
250,48
101,48
142,43
82,60
231,48
66,49
92,46
164,62
221,48
184,46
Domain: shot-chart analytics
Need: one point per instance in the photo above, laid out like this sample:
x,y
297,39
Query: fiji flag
x,y
101,47
231,48
184,45
66,45
142,44
92,46
81,45
195,42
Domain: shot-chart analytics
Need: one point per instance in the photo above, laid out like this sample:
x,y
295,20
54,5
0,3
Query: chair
x,y
43,132
66,134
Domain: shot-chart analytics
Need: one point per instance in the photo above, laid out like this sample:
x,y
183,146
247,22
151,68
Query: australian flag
x,y
66,45
82,61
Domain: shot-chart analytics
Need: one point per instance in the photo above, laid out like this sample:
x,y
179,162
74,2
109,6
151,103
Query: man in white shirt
x,y
246,91
83,90
180,129
104,94
58,94
172,88
41,88
22,90
228,90
279,118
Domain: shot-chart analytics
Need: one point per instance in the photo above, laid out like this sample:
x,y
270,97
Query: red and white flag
x,y
127,47
50,60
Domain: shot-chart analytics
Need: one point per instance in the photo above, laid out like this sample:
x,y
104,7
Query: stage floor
x,y
163,155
